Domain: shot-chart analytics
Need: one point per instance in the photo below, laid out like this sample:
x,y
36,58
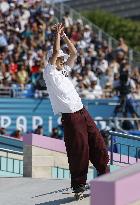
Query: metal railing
x,y
60,11
14,160
64,173
124,136
60,8
12,92
115,122
61,172
5,92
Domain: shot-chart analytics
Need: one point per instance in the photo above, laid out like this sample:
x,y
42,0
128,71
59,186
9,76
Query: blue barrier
x,y
28,113
11,143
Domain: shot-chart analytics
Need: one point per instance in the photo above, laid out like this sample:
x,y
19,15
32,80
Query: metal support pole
x,y
112,148
100,35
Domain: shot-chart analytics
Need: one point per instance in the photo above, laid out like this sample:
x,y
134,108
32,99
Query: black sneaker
x,y
79,188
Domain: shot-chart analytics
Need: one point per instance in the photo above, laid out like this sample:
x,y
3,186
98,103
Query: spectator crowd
x,y
26,36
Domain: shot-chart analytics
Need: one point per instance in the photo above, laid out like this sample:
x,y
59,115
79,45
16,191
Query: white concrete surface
x,y
28,191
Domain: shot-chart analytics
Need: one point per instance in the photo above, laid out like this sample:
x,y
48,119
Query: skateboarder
x,y
82,138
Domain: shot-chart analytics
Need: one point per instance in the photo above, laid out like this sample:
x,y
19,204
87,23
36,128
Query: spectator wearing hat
x,y
101,64
4,6
95,90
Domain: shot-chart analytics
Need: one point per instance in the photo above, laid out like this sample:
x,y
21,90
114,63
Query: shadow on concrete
x,y
59,201
54,192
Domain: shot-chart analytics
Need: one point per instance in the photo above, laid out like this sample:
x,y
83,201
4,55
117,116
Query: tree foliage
x,y
116,26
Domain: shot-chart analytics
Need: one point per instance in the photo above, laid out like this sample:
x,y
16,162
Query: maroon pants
x,y
83,143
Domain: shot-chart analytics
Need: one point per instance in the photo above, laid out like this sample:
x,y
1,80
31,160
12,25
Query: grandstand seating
x,y
75,6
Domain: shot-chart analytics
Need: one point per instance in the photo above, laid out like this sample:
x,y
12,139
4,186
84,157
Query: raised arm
x,y
73,52
56,46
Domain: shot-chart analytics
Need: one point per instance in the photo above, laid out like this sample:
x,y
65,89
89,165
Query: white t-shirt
x,y
63,95
4,7
95,93
102,65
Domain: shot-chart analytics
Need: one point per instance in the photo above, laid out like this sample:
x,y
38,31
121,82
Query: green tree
x,y
116,26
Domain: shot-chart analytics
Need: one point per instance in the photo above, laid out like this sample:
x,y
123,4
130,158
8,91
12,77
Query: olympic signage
x,y
27,114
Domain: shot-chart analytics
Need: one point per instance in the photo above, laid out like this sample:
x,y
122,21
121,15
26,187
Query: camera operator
x,y
125,88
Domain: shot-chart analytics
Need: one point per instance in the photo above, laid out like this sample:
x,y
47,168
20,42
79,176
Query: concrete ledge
x,y
119,188
45,142
41,154
47,152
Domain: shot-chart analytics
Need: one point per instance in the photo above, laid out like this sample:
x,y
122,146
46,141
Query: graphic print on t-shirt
x,y
65,73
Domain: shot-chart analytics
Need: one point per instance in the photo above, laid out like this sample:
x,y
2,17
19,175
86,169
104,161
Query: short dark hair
x,y
40,126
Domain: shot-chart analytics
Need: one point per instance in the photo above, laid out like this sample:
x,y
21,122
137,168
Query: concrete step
x,y
28,191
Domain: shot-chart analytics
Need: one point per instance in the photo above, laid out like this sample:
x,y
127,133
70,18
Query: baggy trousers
x,y
83,143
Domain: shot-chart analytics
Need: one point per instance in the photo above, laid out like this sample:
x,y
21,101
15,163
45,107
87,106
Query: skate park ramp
x,y
28,191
